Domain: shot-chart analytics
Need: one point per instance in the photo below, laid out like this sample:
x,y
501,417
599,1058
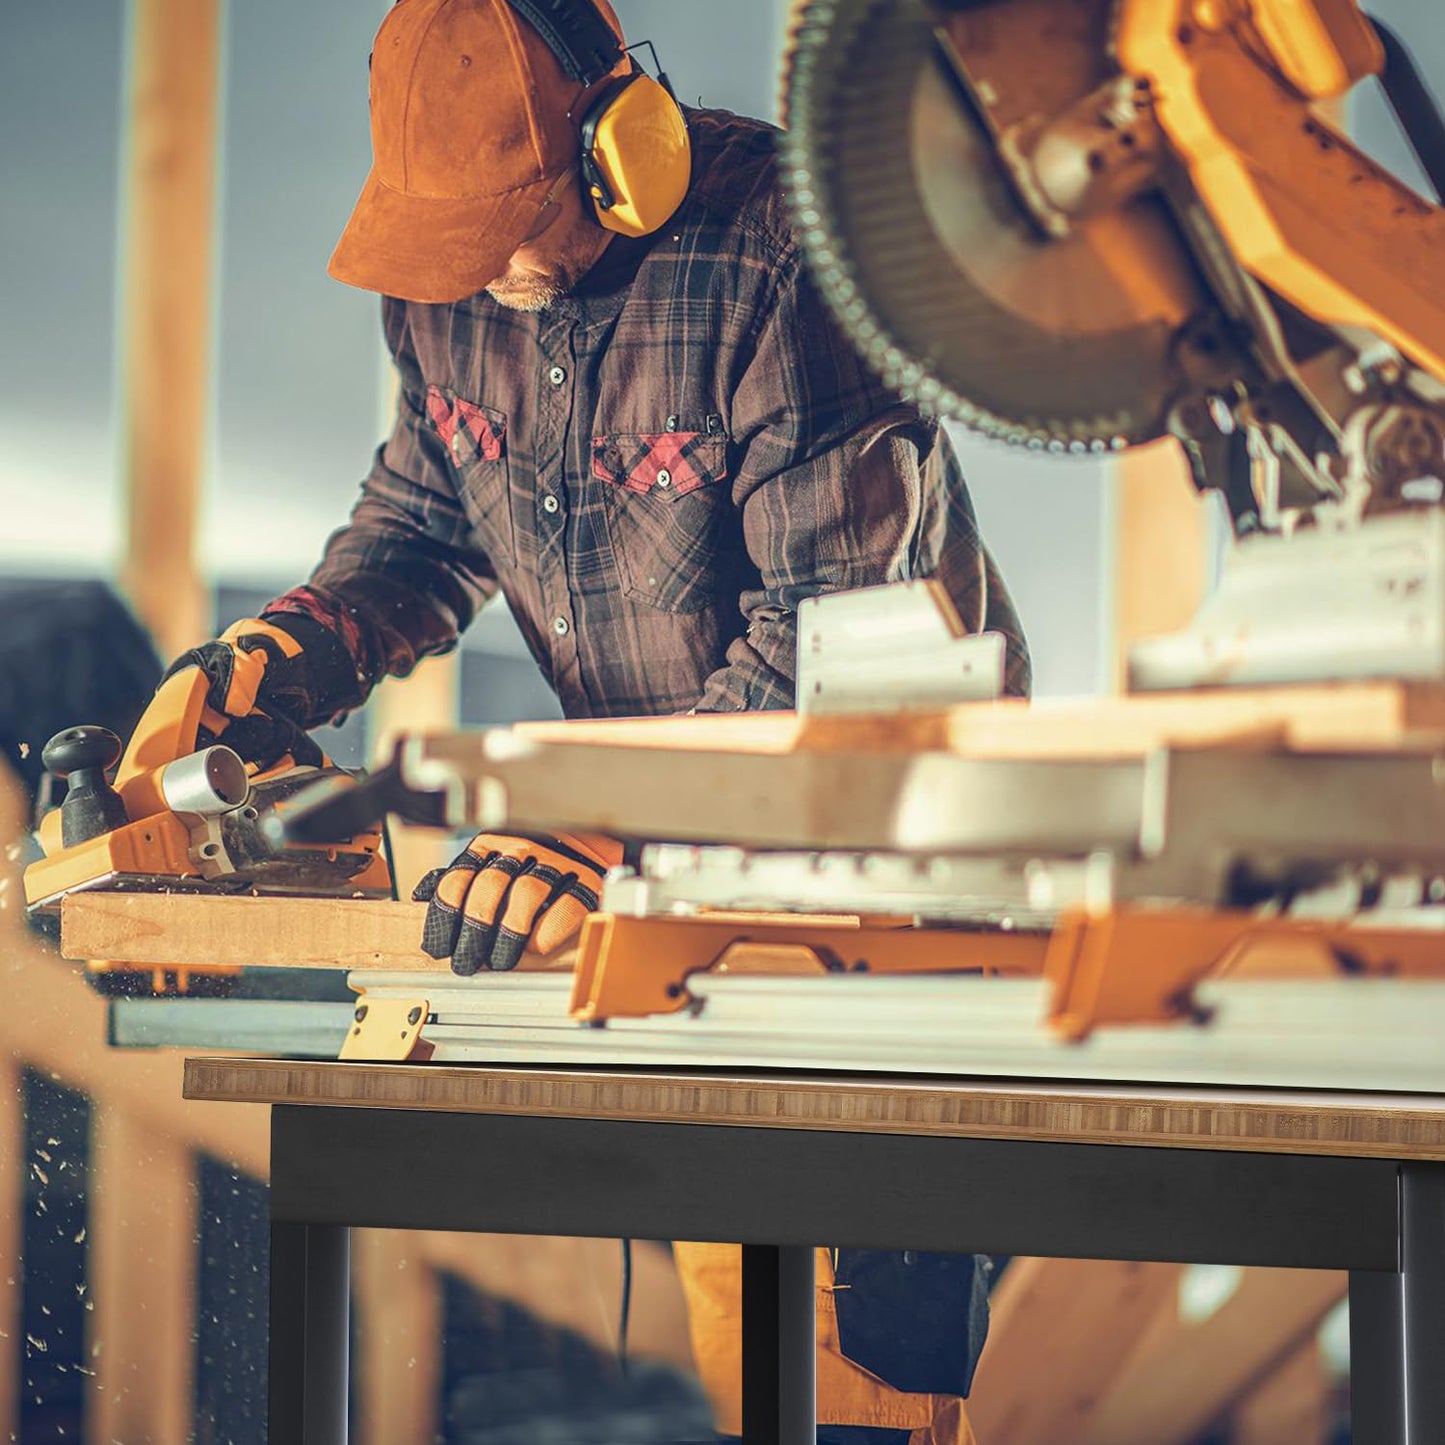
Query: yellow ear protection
x,y
636,158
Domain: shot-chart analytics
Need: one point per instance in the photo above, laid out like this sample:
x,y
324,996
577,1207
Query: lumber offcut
x,y
1370,716
180,930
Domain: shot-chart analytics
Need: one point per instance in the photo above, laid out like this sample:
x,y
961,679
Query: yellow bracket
x,y
387,1030
631,967
1126,966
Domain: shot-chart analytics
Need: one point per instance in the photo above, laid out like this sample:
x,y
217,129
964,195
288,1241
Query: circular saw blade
x,y
927,255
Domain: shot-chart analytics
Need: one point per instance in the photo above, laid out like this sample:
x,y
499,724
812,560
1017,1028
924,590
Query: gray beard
x,y
533,296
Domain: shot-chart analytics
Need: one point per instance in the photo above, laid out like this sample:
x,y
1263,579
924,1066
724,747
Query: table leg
x,y
310,1333
779,1338
1397,1325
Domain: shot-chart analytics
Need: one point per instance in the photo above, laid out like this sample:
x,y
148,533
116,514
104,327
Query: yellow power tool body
x,y
185,816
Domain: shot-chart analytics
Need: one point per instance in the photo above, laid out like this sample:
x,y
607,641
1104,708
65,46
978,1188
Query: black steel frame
x,y
778,1192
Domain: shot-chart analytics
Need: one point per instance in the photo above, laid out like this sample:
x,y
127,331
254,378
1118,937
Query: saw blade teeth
x,y
846,175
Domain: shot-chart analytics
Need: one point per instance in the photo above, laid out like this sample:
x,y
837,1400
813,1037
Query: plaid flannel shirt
x,y
655,470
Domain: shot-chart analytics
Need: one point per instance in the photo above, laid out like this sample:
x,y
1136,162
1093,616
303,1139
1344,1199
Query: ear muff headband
x,y
636,157
585,45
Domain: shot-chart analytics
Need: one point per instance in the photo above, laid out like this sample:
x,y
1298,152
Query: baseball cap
x,y
470,126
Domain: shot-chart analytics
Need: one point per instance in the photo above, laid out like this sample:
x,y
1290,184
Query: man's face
x,y
563,246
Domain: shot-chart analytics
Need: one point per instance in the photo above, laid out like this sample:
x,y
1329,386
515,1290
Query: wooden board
x,y
1174,1392
1082,1316
1365,716
169,930
1277,1121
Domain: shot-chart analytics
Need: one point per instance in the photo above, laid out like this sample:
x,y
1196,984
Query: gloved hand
x,y
505,892
270,679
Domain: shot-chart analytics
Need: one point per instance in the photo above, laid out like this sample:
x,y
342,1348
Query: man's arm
x,y
404,577
841,485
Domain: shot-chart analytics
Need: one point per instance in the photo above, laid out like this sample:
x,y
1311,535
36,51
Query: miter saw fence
x,y
1078,225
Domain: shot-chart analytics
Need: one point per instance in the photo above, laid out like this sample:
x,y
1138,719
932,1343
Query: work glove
x,y
504,893
270,679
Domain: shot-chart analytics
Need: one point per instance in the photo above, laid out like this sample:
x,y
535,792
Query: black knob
x,y
81,747
81,756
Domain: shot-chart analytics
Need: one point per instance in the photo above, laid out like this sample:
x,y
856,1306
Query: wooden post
x,y
1288,1404
1196,1373
142,1276
1081,1315
1160,549
398,1339
168,222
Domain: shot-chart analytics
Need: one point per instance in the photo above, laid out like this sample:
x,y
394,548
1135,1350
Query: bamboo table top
x,y
1390,1126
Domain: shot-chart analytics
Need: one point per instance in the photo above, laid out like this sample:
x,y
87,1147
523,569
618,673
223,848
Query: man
x,y
655,446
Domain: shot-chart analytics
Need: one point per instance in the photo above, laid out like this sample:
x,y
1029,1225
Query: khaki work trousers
x,y
712,1280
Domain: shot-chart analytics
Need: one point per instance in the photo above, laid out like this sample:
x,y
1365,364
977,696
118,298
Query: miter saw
x,y
1078,225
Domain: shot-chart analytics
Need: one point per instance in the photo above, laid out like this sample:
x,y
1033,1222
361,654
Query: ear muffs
x,y
636,156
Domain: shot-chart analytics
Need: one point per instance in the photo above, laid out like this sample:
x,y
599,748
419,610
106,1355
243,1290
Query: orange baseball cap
x,y
470,126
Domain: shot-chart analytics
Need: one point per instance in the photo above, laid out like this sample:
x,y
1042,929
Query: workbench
x,y
780,1163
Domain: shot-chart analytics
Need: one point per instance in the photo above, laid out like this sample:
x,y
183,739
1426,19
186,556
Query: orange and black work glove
x,y
270,679
504,893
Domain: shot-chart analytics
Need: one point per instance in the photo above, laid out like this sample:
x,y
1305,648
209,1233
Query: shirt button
x,y
664,477
672,423
561,626
550,503
557,375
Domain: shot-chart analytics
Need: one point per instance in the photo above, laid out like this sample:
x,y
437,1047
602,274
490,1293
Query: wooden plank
x,y
171,929
166,308
398,1362
141,1269
1198,1374
1291,1403
1279,1121
1325,717
1082,1316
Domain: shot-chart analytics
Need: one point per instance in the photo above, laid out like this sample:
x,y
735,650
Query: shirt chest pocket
x,y
670,519
475,439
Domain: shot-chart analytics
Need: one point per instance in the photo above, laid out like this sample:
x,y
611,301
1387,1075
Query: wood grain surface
x,y
1391,1126
165,930
1325,717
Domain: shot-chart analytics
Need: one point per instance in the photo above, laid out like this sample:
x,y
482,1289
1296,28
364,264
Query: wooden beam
x,y
1291,1403
170,929
141,1272
168,219
1083,1317
1365,716
398,1362
1199,1372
